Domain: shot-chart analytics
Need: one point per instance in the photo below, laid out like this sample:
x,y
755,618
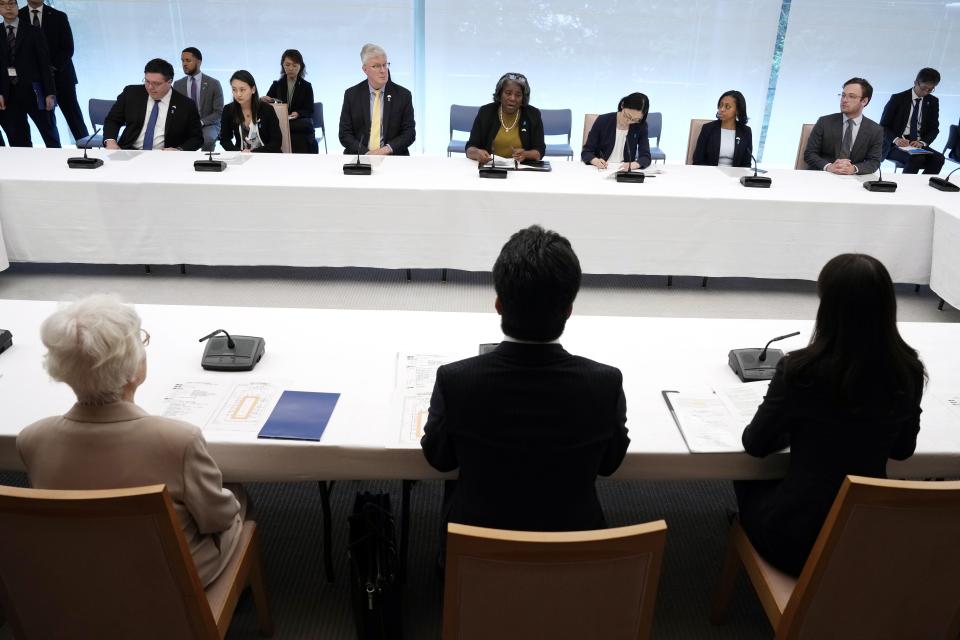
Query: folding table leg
x,y
443,275
669,281
940,306
325,489
405,527
409,275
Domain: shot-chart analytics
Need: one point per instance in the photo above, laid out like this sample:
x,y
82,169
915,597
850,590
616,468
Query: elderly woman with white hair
x,y
105,441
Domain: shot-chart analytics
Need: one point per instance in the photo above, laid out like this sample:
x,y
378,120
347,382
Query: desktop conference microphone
x,y
944,184
357,168
85,162
882,185
629,175
761,182
237,353
210,164
756,364
493,171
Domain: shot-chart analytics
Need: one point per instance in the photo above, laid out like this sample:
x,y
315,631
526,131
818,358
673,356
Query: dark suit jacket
x,y
827,441
32,58
56,29
267,123
603,136
182,130
707,151
399,127
896,114
823,146
4,78
530,427
487,123
302,103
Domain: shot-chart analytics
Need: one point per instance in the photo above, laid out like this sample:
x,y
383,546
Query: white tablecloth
x,y
354,353
945,270
435,212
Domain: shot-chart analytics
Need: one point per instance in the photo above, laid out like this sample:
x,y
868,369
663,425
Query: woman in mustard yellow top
x,y
508,127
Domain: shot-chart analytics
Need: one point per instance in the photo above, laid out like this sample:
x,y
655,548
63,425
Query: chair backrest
x,y
655,125
557,122
282,116
578,584
98,110
588,120
318,117
885,565
462,117
952,140
98,564
800,163
695,125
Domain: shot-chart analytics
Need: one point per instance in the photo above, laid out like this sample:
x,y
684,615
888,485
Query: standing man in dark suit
x,y
847,142
911,120
4,85
377,114
32,91
529,425
56,29
205,91
155,116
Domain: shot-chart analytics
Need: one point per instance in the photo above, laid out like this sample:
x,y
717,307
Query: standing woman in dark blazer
x,y
844,405
508,127
621,136
727,141
246,124
292,89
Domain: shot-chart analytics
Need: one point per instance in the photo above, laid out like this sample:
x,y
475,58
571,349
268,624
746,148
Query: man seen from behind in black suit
x,y
911,120
377,114
31,85
55,26
528,425
153,115
848,142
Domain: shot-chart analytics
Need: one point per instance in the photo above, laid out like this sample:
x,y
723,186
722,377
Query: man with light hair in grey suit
x,y
847,142
205,91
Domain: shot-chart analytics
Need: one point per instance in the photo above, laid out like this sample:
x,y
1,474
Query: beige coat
x,y
119,445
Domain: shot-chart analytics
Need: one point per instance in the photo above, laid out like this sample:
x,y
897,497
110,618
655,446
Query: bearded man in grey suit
x,y
205,91
847,142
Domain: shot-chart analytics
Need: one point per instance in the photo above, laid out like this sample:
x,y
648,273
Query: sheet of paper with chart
x,y
222,406
713,420
415,375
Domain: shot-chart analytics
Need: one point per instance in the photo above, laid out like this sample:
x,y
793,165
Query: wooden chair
x,y
283,116
579,584
800,163
695,125
114,564
885,565
588,120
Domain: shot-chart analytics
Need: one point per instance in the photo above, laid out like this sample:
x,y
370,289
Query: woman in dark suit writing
x,y
620,136
508,127
246,124
844,405
727,141
297,93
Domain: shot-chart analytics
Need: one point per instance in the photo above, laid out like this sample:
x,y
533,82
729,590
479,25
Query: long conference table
x,y
432,212
354,353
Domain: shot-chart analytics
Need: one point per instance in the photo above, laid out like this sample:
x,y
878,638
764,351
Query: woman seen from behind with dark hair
x,y
844,405
246,124
297,93
727,141
508,127
621,136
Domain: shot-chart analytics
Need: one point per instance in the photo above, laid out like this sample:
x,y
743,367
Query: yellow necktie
x,y
375,122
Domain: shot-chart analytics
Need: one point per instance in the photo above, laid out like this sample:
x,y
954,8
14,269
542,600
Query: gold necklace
x,y
504,124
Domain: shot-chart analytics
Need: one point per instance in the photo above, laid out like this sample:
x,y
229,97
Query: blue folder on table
x,y
300,415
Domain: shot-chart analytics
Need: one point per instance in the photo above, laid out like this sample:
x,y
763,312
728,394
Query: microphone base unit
x,y
357,169
84,163
630,176
6,340
759,182
210,165
246,353
496,173
748,367
883,186
942,184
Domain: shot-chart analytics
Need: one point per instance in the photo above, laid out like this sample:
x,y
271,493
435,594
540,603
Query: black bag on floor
x,y
374,568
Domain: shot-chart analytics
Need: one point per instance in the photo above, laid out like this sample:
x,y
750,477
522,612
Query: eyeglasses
x,y
145,337
849,96
380,67
154,85
516,77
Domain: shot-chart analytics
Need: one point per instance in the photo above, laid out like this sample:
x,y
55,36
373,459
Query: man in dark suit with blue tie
x,y
153,115
32,91
911,120
528,425
56,30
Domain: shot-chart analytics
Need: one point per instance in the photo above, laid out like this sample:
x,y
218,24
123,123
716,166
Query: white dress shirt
x,y
39,11
913,102
161,122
